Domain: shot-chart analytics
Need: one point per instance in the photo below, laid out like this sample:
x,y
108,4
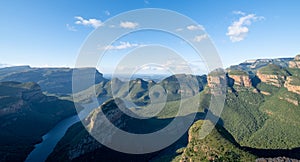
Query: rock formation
x,y
291,86
241,80
274,80
295,63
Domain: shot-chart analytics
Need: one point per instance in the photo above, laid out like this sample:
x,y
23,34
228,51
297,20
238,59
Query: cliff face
x,y
217,84
275,80
295,63
213,81
291,86
241,80
93,122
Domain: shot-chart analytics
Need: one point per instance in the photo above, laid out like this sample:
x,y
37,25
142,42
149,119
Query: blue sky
x,y
50,33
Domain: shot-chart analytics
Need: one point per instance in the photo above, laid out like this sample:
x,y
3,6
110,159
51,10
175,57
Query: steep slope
x,y
266,115
273,75
77,144
25,115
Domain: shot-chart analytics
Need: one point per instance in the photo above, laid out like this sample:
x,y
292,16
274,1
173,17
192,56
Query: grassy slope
x,y
272,69
218,146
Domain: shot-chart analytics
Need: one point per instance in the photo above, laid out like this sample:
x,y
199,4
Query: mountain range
x,y
55,81
260,120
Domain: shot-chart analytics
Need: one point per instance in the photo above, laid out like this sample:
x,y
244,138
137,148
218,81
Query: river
x,y
50,139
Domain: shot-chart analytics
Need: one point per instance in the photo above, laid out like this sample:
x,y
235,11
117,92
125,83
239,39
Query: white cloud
x,y
71,28
88,22
238,30
194,27
199,38
128,25
239,13
122,45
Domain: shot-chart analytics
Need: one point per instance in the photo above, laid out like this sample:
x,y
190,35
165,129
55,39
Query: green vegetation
x,y
237,72
295,80
273,69
217,146
217,72
267,88
250,118
282,127
294,72
241,115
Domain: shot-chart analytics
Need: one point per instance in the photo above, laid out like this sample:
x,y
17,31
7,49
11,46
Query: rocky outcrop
x,y
265,93
292,101
295,63
213,81
291,86
94,124
217,82
275,80
241,80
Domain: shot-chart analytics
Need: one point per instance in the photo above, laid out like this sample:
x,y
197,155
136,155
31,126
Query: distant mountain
x,y
252,65
56,81
3,65
26,114
139,90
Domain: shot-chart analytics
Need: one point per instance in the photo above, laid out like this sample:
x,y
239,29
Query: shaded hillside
x,y
25,115
77,144
56,81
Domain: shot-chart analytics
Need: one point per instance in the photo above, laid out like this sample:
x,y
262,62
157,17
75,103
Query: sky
x,y
51,33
